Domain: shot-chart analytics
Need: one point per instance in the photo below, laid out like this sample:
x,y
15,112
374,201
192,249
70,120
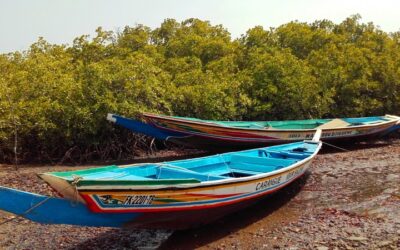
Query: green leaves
x,y
282,87
58,95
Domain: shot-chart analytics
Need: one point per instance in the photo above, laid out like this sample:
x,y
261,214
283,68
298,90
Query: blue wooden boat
x,y
225,135
176,194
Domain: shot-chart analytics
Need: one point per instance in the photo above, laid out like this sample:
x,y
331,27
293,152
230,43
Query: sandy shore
x,y
347,200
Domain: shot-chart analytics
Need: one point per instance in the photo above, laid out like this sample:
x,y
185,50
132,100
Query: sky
x,y
60,21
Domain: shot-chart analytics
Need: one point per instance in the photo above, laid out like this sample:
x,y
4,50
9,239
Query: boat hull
x,y
220,138
61,211
107,198
182,208
52,210
188,219
194,218
224,144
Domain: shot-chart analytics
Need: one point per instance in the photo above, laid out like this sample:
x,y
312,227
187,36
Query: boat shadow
x,y
197,237
228,225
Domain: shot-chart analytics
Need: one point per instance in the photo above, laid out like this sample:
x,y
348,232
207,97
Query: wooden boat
x,y
222,135
176,194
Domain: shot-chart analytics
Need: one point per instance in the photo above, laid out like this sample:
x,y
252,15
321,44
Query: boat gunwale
x,y
206,184
269,130
249,196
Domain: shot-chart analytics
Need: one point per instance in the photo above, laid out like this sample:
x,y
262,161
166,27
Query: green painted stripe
x,y
67,174
83,183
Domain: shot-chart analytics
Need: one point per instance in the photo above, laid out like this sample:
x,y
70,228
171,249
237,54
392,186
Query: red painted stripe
x,y
91,204
97,209
246,135
218,131
221,138
226,131
214,195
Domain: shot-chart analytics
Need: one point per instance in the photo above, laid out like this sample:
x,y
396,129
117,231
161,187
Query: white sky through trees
x,y
23,21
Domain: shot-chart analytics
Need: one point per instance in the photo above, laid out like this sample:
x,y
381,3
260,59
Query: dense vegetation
x,y
56,96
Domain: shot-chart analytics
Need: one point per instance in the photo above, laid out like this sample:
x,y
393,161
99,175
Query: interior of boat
x,y
216,167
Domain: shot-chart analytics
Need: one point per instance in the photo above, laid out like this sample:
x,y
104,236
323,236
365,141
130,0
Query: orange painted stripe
x,y
93,206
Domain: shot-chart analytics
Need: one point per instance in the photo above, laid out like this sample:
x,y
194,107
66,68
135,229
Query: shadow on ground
x,y
192,238
197,237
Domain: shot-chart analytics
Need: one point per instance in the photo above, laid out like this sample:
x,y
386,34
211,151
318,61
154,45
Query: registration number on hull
x,y
139,199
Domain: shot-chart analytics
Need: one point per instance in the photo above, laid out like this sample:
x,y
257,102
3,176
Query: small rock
x,y
348,247
322,248
357,238
384,243
392,177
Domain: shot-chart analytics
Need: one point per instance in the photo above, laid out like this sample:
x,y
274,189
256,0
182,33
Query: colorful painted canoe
x,y
222,135
176,194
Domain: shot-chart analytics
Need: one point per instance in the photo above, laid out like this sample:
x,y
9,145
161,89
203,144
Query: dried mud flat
x,y
348,200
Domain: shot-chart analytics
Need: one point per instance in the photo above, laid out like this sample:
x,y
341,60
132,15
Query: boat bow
x,y
51,210
141,127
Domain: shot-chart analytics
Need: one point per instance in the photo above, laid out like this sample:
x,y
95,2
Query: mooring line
x,y
27,211
343,149
75,181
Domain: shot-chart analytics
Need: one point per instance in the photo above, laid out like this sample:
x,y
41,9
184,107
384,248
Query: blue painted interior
x,y
216,167
172,173
364,120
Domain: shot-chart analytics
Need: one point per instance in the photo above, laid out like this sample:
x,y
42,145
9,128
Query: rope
x,y
229,168
178,137
343,149
75,181
27,211
159,173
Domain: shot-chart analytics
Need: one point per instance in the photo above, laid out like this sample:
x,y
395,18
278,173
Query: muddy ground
x,y
348,200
